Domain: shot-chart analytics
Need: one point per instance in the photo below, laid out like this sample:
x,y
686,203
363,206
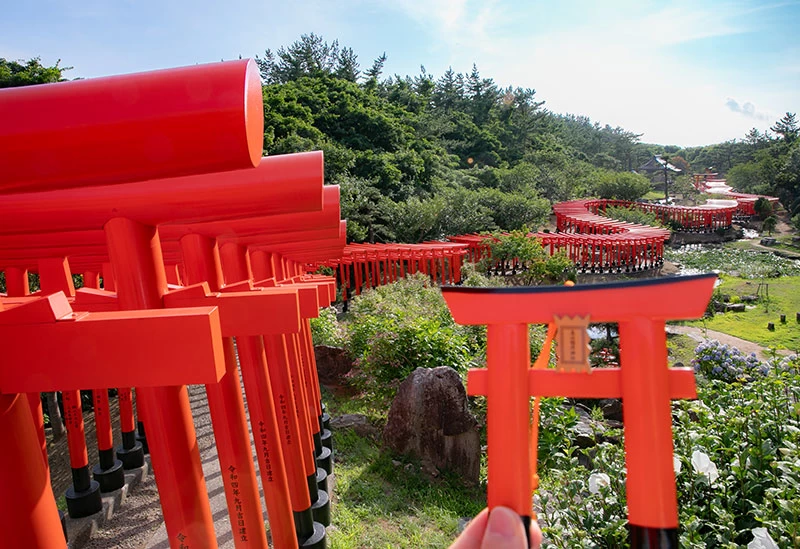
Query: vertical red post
x,y
28,513
83,497
652,497
226,406
132,451
135,252
508,402
260,390
109,471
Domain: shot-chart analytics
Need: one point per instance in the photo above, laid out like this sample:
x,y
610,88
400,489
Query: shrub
x,y
736,459
528,261
717,361
325,329
620,185
399,327
633,215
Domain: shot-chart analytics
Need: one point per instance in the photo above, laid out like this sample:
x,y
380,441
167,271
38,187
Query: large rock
x,y
333,364
429,420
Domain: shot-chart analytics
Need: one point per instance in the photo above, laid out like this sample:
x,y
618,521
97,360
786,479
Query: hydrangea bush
x,y
717,361
736,461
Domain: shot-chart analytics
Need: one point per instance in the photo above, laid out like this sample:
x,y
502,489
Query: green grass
x,y
784,243
378,503
654,195
681,349
784,298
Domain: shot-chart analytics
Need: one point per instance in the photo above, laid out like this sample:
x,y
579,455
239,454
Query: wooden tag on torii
x,y
572,344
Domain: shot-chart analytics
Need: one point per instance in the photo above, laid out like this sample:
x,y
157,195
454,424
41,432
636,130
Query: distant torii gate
x,y
644,382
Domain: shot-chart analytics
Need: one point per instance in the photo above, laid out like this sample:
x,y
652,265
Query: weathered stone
x,y
333,364
584,429
357,422
612,408
429,420
768,241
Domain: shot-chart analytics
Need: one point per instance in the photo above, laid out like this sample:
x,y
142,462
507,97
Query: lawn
x,y
386,501
784,298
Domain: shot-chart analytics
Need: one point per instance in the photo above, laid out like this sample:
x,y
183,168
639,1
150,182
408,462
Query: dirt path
x,y
746,347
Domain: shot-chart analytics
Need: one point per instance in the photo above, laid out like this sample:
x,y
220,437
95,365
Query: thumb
x,y
504,530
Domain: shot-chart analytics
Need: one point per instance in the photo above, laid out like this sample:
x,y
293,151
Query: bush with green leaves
x,y
620,185
326,330
736,460
394,329
632,214
522,260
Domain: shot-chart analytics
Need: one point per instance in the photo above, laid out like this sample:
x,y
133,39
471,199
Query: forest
x,y
422,157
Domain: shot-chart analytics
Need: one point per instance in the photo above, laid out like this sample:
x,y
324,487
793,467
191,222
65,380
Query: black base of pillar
x,y
141,437
327,439
322,479
644,537
318,540
325,460
131,458
142,441
326,420
317,443
321,509
62,516
310,534
85,503
109,479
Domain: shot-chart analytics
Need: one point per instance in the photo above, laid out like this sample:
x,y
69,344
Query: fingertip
x,y
504,530
535,535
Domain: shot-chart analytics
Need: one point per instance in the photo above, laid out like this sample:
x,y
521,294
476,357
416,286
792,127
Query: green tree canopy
x,y
26,73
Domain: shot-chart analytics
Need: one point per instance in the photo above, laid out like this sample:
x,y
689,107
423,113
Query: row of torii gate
x,y
594,242
155,182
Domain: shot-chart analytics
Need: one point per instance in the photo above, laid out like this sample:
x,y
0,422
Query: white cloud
x,y
620,71
455,22
746,109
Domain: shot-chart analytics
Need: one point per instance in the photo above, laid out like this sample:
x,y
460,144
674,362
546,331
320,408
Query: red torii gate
x,y
373,265
132,243
191,296
644,382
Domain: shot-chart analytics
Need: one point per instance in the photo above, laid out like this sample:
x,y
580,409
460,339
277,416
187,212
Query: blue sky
x,y
681,72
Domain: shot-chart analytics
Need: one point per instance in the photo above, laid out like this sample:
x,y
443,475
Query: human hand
x,y
500,529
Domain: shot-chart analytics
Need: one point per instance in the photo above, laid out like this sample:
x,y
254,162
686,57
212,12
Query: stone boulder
x,y
333,364
429,421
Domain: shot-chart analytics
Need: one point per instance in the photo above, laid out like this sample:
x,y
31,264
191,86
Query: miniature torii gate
x,y
644,382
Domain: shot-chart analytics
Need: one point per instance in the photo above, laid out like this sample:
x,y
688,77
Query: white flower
x,y
761,540
703,465
597,481
676,464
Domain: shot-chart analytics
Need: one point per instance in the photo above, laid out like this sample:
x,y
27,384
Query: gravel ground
x,y
139,522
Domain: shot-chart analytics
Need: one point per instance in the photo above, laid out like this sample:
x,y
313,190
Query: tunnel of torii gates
x,y
155,182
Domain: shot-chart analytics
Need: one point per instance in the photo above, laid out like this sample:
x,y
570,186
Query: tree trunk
x,y
54,413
